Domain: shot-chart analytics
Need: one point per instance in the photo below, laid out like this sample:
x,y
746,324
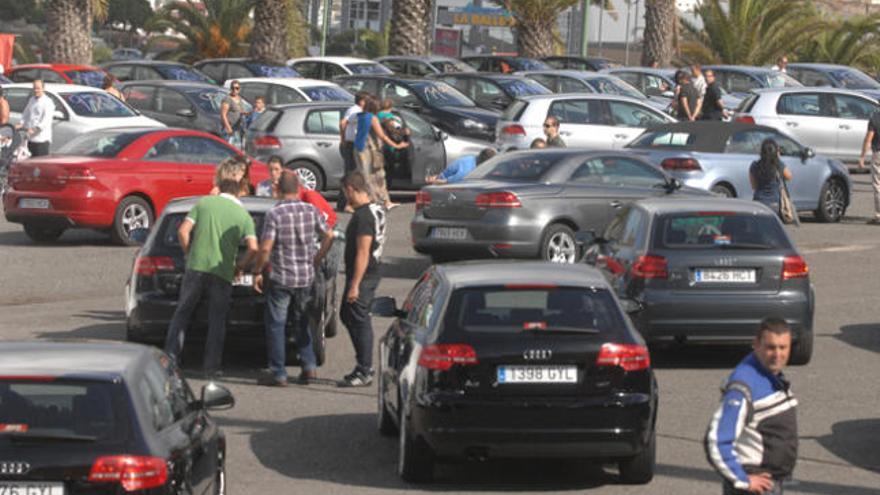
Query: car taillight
x,y
630,357
513,130
267,142
503,199
442,357
649,266
681,164
745,119
131,471
794,267
75,174
423,199
149,265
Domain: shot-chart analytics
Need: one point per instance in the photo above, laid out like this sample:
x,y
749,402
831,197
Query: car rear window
x,y
664,139
746,105
168,230
720,230
40,410
527,167
515,110
266,121
514,309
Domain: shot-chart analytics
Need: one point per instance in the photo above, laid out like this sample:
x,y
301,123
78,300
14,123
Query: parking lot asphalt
x,y
320,439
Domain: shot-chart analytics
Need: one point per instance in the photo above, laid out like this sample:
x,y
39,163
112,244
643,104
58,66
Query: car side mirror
x,y
139,236
185,112
217,397
386,306
501,102
667,94
807,153
440,135
673,184
630,306
59,115
412,105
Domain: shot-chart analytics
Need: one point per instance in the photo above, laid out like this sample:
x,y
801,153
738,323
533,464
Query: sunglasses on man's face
x,y
236,88
548,125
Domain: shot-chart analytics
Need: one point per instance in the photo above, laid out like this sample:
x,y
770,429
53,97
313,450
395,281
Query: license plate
x,y
741,276
456,233
33,203
30,488
245,279
537,374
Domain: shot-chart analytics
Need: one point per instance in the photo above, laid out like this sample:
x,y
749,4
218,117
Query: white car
x,y
595,121
78,110
327,68
281,90
831,121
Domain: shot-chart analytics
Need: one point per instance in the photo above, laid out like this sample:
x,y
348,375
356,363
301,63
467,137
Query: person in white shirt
x,y
347,133
781,64
699,81
37,120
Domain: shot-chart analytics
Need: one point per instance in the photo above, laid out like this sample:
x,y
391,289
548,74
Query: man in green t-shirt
x,y
210,236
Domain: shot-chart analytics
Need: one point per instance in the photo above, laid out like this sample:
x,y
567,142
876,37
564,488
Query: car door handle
x,y
564,133
844,127
615,204
791,124
188,178
324,144
620,136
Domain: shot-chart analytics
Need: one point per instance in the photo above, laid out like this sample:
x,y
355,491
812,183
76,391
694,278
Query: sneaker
x,y
356,378
269,380
874,221
307,377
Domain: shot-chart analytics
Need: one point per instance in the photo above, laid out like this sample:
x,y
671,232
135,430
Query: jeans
x,y
283,303
356,318
730,490
346,149
38,149
194,287
875,181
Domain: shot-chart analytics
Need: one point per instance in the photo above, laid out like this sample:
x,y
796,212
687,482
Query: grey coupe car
x,y
529,204
706,271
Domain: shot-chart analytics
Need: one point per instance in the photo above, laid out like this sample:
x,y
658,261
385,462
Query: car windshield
x,y
183,73
614,86
100,105
451,65
520,87
57,410
441,94
526,167
853,79
209,99
268,70
100,144
663,139
720,230
368,68
327,93
93,78
776,79
538,308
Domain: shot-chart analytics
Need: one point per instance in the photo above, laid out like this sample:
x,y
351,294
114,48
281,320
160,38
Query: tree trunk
x,y
535,39
410,24
660,26
269,36
70,25
298,30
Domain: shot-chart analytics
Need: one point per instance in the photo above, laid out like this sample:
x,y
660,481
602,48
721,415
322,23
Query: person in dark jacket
x,y
764,175
713,107
752,439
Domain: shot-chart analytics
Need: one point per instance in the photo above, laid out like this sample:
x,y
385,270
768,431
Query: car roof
x,y
807,65
55,87
61,67
335,60
483,74
691,204
311,104
808,89
644,70
742,68
291,82
580,96
237,59
710,136
145,62
252,204
500,272
174,83
100,360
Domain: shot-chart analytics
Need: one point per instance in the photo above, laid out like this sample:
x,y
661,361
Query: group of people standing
x,y
698,95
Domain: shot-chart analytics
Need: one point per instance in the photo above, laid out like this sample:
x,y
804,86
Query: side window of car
x,y
238,71
419,68
654,85
745,142
577,111
632,228
199,150
396,66
323,122
17,98
214,71
809,77
630,77
630,115
485,90
617,171
139,97
800,104
250,90
418,127
308,69
547,81
354,85
166,150
282,95
153,387
122,72
590,172
333,70
144,73
853,107
740,83
398,94
170,102
24,75
50,76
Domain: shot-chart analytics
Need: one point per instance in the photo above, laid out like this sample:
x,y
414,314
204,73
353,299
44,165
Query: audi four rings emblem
x,y
14,467
537,354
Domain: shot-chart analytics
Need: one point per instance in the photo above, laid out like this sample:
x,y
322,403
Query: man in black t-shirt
x,y
689,100
364,240
713,108
872,138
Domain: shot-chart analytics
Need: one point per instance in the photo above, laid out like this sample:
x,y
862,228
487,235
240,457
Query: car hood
x,y
478,114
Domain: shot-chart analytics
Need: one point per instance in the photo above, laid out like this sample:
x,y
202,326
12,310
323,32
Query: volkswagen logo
x,y
14,467
537,354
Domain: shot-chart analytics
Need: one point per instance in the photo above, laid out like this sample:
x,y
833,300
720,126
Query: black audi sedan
x,y
706,271
154,70
223,69
108,418
186,104
501,360
493,91
153,287
436,101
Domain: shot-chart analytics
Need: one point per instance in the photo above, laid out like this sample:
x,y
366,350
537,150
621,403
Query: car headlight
x,y
473,124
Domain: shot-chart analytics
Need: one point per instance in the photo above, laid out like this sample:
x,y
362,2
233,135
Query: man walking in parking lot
x,y
209,236
291,230
872,139
348,132
37,119
752,440
365,238
551,130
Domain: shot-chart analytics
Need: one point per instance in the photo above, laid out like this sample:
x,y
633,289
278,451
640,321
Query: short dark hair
x,y
774,325
275,159
289,183
486,154
552,120
356,181
538,143
361,96
371,105
227,186
260,98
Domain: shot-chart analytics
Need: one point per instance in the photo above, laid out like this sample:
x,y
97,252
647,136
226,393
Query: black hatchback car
x,y
223,69
109,418
153,288
707,271
436,101
152,70
504,63
493,91
515,360
186,104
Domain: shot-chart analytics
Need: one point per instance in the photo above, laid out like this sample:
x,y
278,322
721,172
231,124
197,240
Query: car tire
x,y
832,202
132,213
310,175
384,422
319,344
639,470
42,234
723,190
558,245
802,349
332,324
220,477
415,463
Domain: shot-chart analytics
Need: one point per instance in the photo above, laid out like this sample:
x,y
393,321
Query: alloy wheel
x,y
834,200
561,248
307,178
135,216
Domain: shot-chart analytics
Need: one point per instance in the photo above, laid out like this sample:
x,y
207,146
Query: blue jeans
x,y
356,318
279,301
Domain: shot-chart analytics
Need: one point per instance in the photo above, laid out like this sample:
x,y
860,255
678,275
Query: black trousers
x,y
38,149
356,318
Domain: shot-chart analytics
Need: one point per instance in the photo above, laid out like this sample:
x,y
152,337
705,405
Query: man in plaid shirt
x,y
291,230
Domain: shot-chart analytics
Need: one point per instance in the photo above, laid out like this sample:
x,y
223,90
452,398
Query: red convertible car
x,y
114,180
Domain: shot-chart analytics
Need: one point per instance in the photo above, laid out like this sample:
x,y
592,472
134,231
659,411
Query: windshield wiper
x,y
49,437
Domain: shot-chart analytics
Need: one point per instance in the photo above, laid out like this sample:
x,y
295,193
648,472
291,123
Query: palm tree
x,y
269,35
70,22
410,26
661,27
204,29
535,23
851,42
749,32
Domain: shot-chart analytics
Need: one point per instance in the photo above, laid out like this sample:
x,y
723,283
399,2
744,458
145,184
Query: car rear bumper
x,y
65,209
485,239
598,428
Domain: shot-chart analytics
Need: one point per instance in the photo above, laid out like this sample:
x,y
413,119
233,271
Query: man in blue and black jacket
x,y
752,440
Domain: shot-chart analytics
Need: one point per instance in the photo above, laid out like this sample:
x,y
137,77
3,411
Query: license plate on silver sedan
x,y
453,233
30,488
36,203
725,276
537,374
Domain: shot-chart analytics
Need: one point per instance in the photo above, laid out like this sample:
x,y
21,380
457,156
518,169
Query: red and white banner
x,y
7,41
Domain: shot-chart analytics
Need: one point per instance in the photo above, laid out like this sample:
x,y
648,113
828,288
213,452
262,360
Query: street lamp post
x,y
585,29
325,25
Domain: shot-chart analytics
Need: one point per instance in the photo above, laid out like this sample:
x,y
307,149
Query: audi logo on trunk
x,y
537,354
14,467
